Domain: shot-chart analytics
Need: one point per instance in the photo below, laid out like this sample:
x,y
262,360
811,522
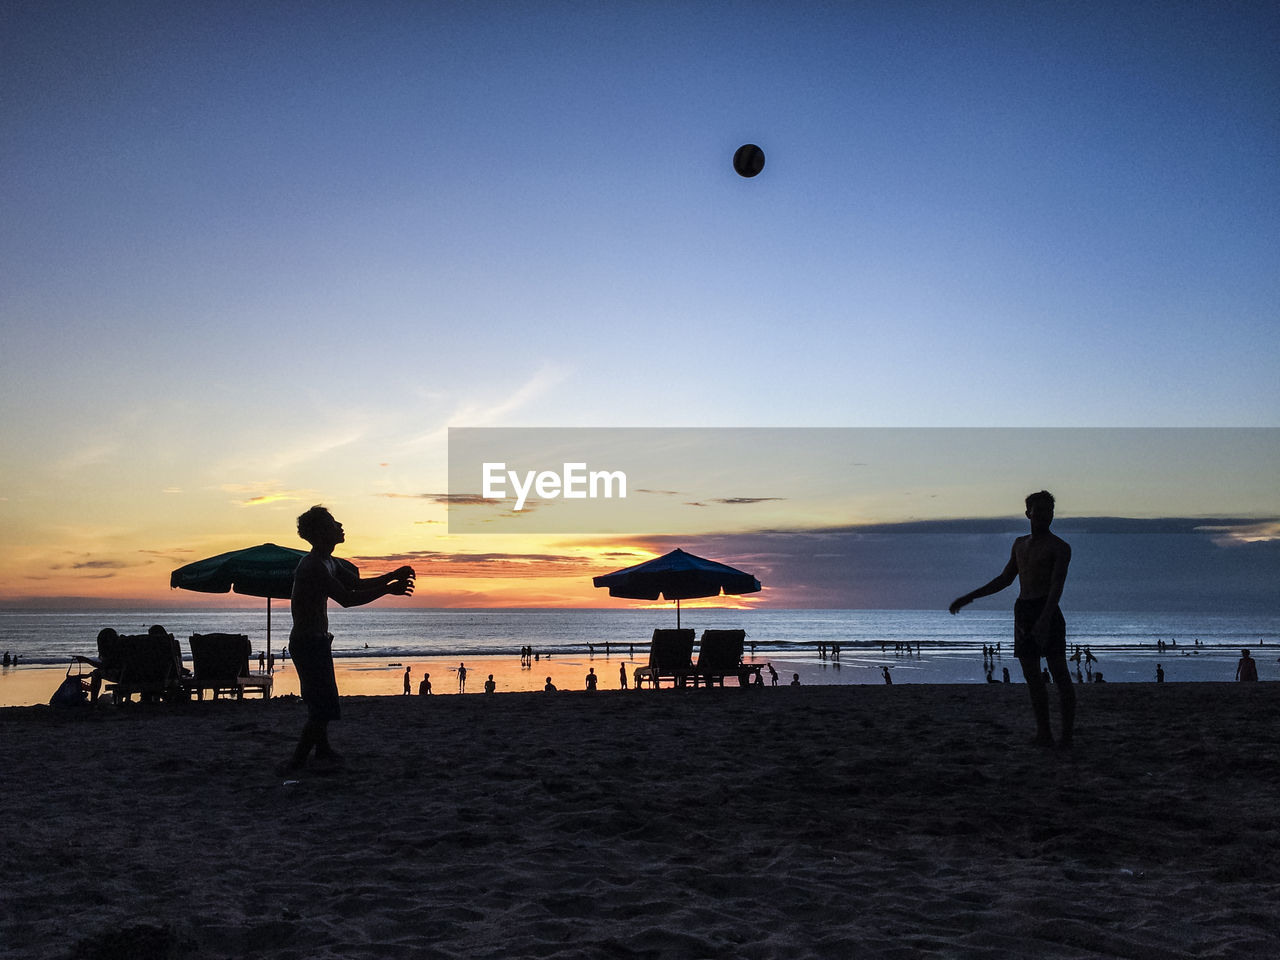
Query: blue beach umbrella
x,y
262,571
677,576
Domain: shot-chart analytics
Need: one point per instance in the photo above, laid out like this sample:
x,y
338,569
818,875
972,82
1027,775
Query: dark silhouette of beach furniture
x,y
670,658
220,663
150,665
720,656
106,667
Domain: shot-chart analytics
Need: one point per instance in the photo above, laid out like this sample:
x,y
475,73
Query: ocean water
x,y
868,638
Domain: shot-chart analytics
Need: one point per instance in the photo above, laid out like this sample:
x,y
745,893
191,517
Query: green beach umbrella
x,y
262,571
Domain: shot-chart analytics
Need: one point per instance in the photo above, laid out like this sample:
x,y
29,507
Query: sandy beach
x,y
810,822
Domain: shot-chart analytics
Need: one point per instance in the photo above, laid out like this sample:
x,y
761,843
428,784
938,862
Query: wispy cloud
x,y
501,510
484,565
443,499
175,555
261,494
732,501
99,565
90,455
310,448
498,411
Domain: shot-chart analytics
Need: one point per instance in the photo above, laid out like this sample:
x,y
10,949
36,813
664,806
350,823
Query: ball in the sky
x,y
749,160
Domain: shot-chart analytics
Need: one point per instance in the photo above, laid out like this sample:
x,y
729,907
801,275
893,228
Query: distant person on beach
x,y
622,676
424,685
1039,562
592,679
318,579
462,678
549,687
884,672
795,680
489,685
1159,673
1247,668
407,685
773,675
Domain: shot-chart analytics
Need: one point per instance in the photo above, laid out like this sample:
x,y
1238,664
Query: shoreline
x,y
803,823
28,685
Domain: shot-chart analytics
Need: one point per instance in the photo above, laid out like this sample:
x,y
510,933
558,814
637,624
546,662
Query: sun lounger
x,y
149,665
670,658
108,663
220,663
720,656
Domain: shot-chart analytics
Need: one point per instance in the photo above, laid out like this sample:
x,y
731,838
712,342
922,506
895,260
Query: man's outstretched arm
x,y
352,590
1006,577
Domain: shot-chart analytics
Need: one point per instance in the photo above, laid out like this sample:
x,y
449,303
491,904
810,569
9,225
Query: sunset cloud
x,y
254,495
485,565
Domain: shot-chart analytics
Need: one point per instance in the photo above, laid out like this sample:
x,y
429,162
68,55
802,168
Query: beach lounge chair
x,y
106,667
720,656
220,663
150,666
670,658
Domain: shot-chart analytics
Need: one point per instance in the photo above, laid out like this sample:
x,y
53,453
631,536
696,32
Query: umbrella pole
x,y
677,613
268,634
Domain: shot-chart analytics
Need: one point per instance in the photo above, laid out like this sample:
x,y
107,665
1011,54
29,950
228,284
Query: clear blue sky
x,y
260,253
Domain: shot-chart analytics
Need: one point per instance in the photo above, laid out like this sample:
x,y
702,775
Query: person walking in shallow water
x,y
1247,668
1039,562
318,579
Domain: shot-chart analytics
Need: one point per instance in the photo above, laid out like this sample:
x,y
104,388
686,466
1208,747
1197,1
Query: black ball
x,y
749,160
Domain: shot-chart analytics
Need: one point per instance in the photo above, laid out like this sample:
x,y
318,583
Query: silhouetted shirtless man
x,y
1039,562
319,579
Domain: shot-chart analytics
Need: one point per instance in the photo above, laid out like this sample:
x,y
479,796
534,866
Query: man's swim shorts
x,y
1052,644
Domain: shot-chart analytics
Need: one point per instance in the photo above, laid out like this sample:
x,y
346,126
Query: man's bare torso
x,y
310,601
1035,558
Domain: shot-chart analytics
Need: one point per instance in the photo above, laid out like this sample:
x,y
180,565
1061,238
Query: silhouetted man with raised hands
x,y
319,579
1039,562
